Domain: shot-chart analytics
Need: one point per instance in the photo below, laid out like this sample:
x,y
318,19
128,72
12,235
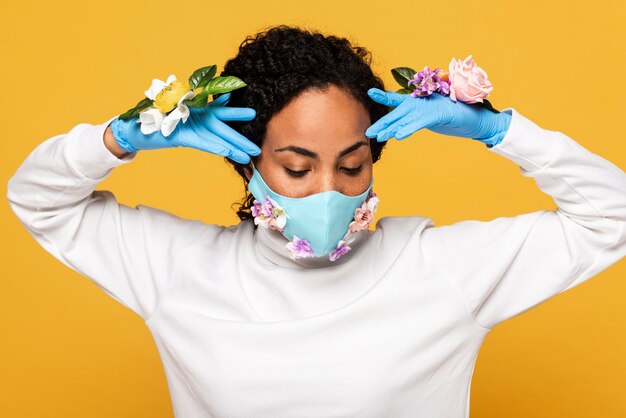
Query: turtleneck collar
x,y
271,245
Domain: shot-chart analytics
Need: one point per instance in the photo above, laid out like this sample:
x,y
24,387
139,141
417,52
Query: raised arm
x,y
508,265
128,252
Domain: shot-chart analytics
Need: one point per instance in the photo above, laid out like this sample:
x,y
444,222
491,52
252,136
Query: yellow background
x,y
68,350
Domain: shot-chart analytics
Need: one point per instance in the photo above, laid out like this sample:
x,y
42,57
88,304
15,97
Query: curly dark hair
x,y
283,61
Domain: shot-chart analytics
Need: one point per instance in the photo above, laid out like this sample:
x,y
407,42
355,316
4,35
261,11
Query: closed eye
x,y
353,171
350,171
294,173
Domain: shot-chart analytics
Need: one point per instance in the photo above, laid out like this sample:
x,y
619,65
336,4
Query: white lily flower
x,y
181,111
150,120
158,85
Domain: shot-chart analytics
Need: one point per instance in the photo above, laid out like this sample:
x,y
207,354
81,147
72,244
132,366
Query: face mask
x,y
316,225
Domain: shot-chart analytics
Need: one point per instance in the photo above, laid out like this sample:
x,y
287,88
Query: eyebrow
x,y
312,154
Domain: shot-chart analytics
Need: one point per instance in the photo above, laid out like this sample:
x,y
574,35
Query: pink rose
x,y
468,82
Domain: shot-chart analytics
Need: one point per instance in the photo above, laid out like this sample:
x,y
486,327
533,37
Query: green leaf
x,y
199,100
141,105
487,105
224,84
403,75
404,91
201,76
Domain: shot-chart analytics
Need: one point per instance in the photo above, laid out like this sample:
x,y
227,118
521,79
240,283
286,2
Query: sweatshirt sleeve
x,y
506,266
127,252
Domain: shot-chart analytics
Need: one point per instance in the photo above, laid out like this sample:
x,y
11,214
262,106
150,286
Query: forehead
x,y
319,120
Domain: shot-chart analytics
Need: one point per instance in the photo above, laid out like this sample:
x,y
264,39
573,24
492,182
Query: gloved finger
x,y
213,144
220,101
388,98
409,129
391,129
233,137
421,115
382,123
423,110
234,113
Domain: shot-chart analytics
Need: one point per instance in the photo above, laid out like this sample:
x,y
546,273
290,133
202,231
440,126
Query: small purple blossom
x,y
444,88
429,81
256,208
267,208
300,247
342,248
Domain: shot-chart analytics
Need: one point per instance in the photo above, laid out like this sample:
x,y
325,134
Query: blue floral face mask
x,y
316,225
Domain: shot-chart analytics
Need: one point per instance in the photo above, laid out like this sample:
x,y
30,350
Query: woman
x,y
254,320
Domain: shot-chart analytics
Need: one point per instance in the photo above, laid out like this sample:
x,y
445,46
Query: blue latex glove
x,y
439,114
203,130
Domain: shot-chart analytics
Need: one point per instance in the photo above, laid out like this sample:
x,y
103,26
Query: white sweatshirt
x,y
391,329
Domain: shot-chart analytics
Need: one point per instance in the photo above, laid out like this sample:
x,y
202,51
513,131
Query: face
x,y
317,143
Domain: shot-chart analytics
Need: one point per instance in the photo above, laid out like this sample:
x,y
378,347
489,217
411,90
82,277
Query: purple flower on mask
x,y
300,247
341,249
269,214
267,208
256,208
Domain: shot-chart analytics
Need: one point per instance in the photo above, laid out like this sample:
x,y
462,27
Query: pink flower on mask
x,y
275,224
362,218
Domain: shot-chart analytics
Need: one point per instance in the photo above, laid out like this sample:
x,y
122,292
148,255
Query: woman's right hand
x,y
203,130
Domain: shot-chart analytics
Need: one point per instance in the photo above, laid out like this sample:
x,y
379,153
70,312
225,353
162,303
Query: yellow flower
x,y
168,98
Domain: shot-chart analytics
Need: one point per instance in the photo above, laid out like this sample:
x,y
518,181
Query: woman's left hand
x,y
439,114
